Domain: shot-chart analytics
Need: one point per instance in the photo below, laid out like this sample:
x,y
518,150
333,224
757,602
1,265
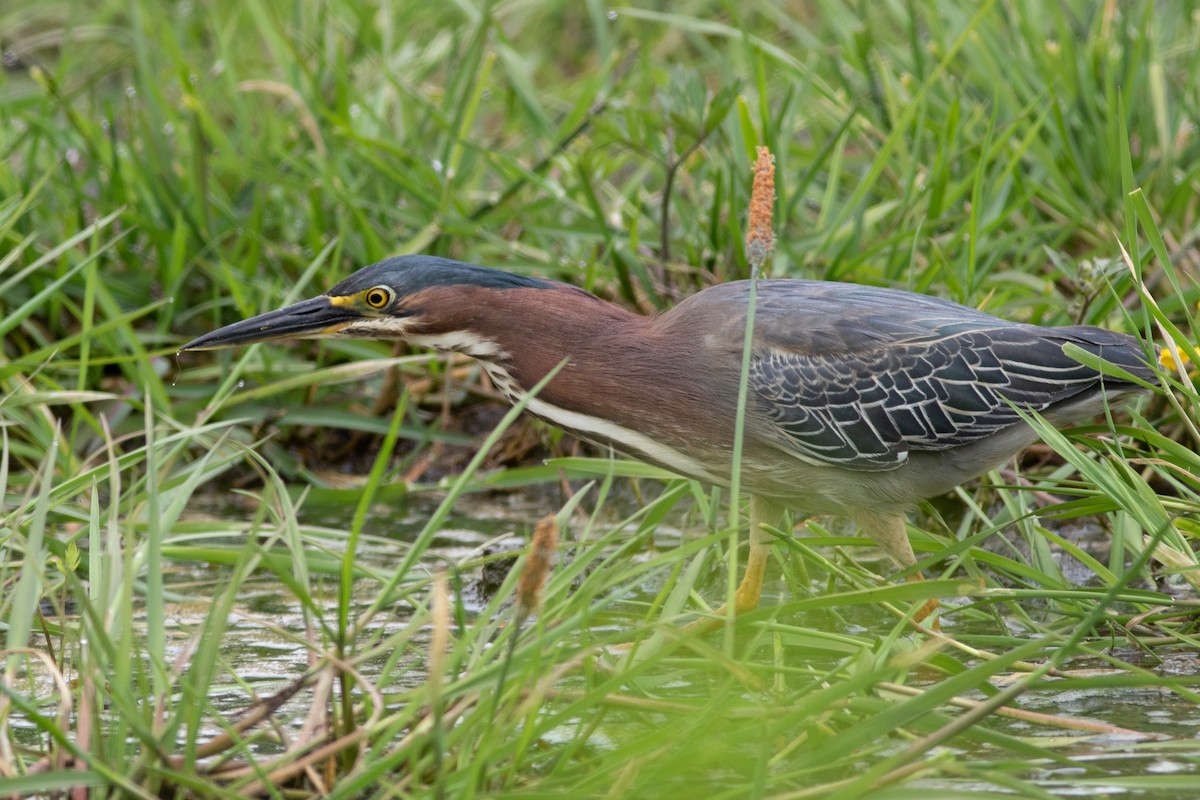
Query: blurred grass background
x,y
166,168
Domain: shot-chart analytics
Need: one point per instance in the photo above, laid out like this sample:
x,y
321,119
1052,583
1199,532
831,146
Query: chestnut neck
x,y
618,366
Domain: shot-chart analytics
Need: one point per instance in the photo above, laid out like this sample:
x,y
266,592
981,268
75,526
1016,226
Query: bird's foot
x,y
745,600
928,611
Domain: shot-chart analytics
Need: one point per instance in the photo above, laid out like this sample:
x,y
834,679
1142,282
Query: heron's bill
x,y
308,318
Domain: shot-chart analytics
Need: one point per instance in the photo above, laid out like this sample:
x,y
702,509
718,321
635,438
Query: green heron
x,y
862,400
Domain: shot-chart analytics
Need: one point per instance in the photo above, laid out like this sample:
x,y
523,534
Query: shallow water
x,y
503,522
264,646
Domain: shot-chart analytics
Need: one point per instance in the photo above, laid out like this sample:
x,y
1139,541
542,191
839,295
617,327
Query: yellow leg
x,y
890,533
762,512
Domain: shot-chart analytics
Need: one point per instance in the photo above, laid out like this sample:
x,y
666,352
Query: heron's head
x,y
389,300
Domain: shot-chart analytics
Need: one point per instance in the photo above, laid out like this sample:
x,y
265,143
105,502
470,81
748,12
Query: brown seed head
x,y
760,236
537,566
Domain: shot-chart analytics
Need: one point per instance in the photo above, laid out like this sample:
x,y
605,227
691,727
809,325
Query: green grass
x,y
167,168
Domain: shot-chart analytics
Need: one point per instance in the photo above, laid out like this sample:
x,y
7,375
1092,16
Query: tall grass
x,y
166,168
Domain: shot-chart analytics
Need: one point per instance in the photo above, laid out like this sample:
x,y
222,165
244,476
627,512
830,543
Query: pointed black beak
x,y
307,318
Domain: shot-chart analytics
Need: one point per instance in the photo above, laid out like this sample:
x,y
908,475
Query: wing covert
x,y
867,401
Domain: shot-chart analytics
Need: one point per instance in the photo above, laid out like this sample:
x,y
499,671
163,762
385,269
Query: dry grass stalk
x,y
440,638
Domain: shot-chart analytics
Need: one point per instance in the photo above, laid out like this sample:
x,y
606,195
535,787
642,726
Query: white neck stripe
x,y
602,429
623,438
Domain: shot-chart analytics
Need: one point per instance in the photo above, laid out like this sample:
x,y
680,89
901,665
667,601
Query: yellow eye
x,y
378,297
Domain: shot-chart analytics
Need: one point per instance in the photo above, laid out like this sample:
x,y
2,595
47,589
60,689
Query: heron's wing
x,y
862,394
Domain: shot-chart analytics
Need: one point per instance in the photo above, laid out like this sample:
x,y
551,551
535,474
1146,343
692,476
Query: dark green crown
x,y
410,274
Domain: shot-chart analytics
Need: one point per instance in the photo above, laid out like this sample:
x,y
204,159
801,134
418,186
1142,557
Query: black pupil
x,y
376,298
